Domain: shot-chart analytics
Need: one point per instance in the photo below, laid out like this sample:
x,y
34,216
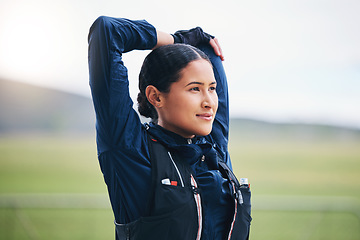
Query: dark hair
x,y
161,68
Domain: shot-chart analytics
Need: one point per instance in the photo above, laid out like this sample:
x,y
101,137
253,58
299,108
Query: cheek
x,y
178,105
184,101
216,102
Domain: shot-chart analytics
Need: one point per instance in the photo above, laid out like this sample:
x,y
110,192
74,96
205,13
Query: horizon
x,y
232,117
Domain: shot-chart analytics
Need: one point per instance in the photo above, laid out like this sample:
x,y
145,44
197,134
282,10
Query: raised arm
x,y
163,38
108,39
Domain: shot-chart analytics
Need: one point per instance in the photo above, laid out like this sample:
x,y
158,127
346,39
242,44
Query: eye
x,y
212,88
195,89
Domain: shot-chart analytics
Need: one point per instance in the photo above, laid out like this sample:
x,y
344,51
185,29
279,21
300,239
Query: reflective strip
x,y
198,207
235,213
177,170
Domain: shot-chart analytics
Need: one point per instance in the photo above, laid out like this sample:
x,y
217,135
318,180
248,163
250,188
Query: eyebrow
x,y
199,83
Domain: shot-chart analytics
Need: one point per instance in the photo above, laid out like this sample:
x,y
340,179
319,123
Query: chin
x,y
204,133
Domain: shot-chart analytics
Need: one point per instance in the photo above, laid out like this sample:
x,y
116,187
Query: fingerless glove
x,y
194,37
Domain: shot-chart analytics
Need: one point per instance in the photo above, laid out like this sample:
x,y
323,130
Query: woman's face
x,y
190,106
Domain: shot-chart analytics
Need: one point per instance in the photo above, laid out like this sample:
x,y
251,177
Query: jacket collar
x,y
192,152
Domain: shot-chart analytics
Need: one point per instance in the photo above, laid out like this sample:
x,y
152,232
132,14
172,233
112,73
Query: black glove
x,y
193,37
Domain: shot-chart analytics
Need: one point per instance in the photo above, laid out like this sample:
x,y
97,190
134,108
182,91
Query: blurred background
x,y
293,69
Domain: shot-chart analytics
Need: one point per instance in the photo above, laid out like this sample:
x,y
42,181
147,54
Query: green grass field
x,y
52,188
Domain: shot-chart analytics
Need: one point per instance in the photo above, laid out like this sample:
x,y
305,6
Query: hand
x,y
214,43
193,37
197,36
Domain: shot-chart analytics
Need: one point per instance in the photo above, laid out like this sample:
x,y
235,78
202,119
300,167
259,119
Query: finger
x,y
214,43
215,46
220,50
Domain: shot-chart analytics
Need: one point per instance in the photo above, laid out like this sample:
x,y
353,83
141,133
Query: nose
x,y
208,101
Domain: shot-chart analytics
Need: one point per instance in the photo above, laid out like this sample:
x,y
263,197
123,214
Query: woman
x,y
164,178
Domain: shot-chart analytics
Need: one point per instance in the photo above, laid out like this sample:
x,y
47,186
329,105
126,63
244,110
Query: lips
x,y
205,116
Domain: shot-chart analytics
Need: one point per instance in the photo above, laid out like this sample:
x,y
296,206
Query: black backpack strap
x,y
242,194
226,171
123,230
156,151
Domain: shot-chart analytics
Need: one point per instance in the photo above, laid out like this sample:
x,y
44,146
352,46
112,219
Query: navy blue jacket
x,y
122,139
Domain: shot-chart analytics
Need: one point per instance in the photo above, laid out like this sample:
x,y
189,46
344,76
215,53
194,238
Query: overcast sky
x,y
286,60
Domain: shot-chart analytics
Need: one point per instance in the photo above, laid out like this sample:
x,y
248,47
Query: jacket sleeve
x,y
117,123
122,148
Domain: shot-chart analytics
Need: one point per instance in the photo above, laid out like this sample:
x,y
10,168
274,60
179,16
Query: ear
x,y
153,95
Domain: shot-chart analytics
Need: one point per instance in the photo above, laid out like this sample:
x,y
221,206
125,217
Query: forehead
x,y
197,71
